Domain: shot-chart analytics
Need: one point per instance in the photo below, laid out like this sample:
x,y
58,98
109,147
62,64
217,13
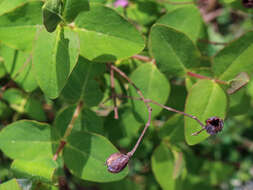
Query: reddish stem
x,y
207,78
115,108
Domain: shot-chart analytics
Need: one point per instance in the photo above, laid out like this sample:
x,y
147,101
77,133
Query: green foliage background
x,y
55,87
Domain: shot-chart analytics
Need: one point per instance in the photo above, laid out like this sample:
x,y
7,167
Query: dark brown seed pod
x,y
117,162
214,125
247,3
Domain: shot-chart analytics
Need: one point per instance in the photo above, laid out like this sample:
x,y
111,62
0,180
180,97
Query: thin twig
x,y
213,43
115,108
166,107
69,129
207,78
144,58
130,154
175,3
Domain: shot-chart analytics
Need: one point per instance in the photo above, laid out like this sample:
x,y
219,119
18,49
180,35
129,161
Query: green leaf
x,y
55,56
19,66
205,99
234,58
10,185
162,163
18,27
51,14
86,121
186,19
26,140
153,84
174,52
173,129
105,35
73,7
41,169
85,155
24,104
7,6
81,83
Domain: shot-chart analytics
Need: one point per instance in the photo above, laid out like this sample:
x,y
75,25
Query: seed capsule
x,y
214,125
117,162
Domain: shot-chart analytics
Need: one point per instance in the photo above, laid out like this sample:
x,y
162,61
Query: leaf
x,y
73,7
152,84
174,52
186,19
173,129
7,6
55,56
86,121
105,35
10,185
19,66
41,169
26,140
24,104
234,58
85,155
18,27
162,163
51,14
238,82
81,83
205,99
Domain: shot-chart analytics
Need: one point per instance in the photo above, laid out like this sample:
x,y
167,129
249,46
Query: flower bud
x,y
214,125
117,162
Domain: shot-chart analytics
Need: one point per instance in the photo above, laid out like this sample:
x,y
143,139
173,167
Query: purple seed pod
x,y
117,162
247,3
214,125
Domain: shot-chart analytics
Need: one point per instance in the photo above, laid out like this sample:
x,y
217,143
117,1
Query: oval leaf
x,y
234,58
81,83
186,19
55,56
106,41
85,155
19,31
26,140
12,184
73,7
153,85
174,52
51,14
206,99
163,166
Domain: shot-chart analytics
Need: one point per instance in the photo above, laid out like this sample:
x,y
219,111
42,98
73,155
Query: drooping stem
x,y
121,73
69,129
115,108
167,108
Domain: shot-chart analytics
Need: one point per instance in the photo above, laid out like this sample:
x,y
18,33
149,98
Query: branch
x,y
69,129
130,154
116,115
207,78
213,43
167,108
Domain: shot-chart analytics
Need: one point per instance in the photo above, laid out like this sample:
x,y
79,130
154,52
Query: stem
x,y
213,43
116,115
69,129
207,78
168,108
144,58
130,154
175,3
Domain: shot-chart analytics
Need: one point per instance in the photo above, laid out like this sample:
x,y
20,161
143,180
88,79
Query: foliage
x,y
81,79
